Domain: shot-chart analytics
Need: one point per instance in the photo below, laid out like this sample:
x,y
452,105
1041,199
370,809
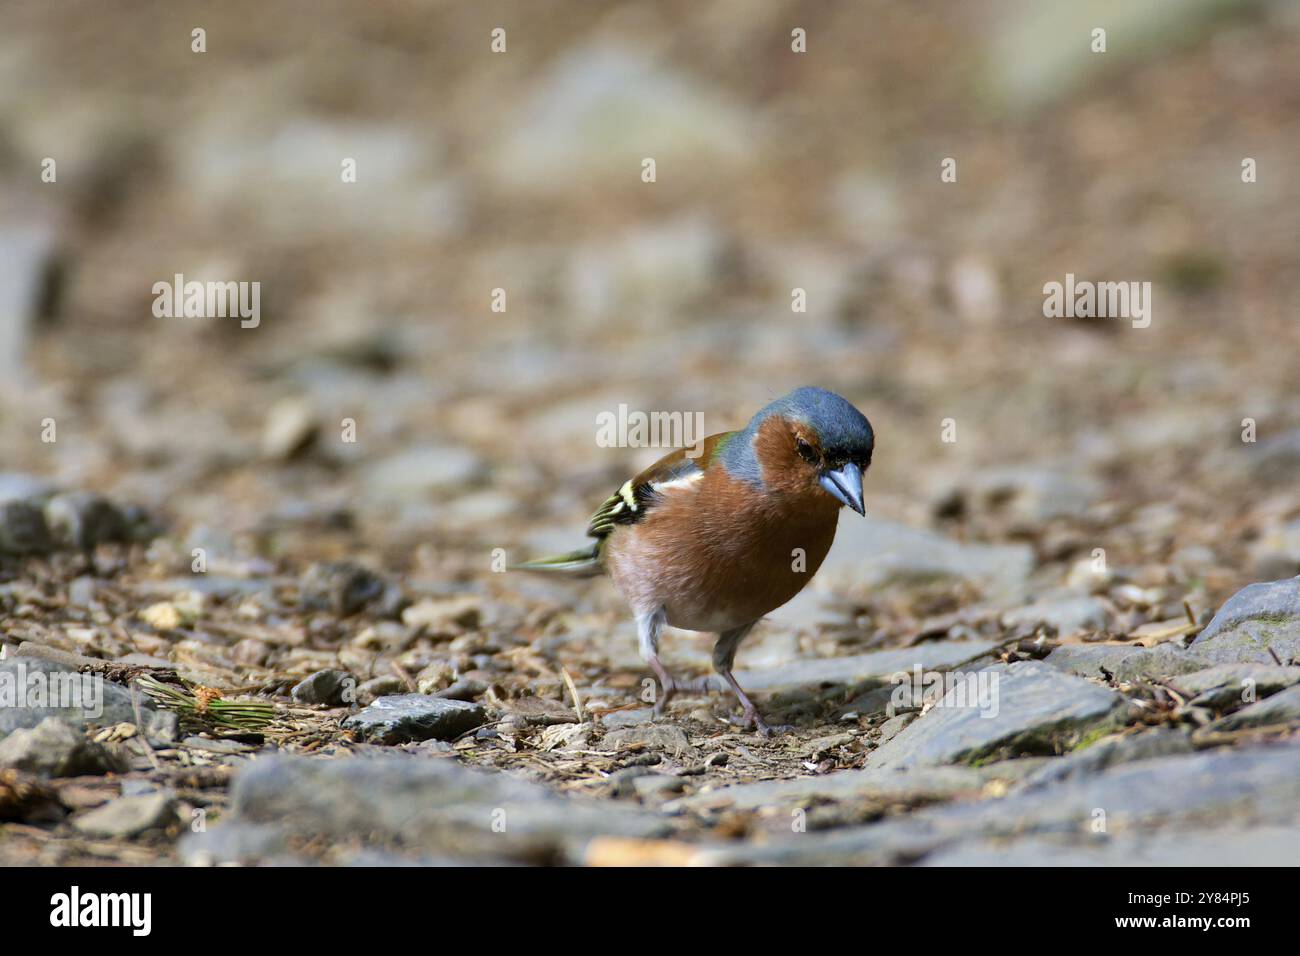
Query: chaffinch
x,y
716,541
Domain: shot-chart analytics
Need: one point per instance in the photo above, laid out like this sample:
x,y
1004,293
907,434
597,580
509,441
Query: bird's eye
x,y
805,451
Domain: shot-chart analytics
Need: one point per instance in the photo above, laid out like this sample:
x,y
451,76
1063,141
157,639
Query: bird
x,y
714,539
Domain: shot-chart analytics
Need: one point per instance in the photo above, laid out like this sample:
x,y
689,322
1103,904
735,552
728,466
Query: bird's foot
x,y
673,686
750,719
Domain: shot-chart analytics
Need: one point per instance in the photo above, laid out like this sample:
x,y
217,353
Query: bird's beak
x,y
845,483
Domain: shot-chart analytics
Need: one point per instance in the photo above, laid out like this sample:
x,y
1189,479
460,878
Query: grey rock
x,y
325,687
657,785
377,687
1029,707
28,259
1282,708
1111,751
626,718
406,717
1258,618
917,784
17,486
68,659
54,748
1027,496
1126,662
82,520
891,727
665,738
23,529
1277,552
128,817
589,104
1230,847
428,805
1226,684
855,669
29,687
870,553
417,473
1068,615
1259,786
341,586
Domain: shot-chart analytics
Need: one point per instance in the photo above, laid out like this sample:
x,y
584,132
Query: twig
x,y
577,701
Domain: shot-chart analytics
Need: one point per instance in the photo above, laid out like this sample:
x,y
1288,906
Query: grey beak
x,y
845,484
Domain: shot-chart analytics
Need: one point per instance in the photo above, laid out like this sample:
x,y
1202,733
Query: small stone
x,y
1226,684
442,616
291,427
566,737
127,817
377,687
1282,708
1068,615
823,745
330,687
164,616
890,728
406,717
417,473
23,529
657,786
667,738
251,651
53,748
342,587
81,521
626,718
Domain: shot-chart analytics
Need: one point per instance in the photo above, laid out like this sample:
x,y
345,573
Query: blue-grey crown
x,y
844,431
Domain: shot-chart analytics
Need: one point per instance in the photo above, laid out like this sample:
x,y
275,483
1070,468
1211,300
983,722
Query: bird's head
x,y
814,440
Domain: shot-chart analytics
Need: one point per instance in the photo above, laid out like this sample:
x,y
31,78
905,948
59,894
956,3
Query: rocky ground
x,y
1095,523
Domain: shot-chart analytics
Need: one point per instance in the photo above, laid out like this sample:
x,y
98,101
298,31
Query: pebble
x,y
407,717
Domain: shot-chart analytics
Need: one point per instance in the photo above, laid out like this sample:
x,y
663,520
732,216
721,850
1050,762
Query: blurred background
x,y
775,170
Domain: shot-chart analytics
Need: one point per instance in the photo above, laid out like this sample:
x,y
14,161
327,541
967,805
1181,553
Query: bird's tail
x,y
584,563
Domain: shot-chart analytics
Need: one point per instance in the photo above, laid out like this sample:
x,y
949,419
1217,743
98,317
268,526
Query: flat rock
x,y
1126,662
324,687
128,816
870,553
416,473
54,748
1068,615
1256,787
1257,619
1282,708
665,738
32,689
1226,684
1029,707
427,805
854,669
900,786
1229,847
406,717
1110,752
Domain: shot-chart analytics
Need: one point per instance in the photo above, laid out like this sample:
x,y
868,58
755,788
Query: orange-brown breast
x,y
717,553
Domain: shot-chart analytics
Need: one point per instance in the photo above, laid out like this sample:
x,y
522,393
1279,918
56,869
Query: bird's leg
x,y
724,657
648,628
